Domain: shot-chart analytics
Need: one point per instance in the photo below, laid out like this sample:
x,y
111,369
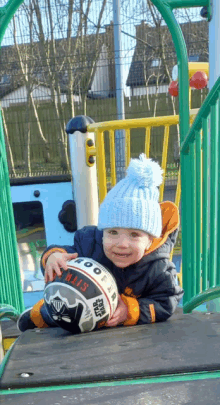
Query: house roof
x,y
147,63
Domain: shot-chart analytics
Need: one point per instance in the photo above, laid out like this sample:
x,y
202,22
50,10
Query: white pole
x,y
214,43
85,189
118,61
119,134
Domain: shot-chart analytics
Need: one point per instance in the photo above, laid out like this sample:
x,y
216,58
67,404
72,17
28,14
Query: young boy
x,y
134,238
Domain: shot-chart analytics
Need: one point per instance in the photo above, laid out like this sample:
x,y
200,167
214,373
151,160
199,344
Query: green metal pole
x,y
198,212
183,78
205,204
6,14
214,195
218,226
192,234
12,290
182,62
187,3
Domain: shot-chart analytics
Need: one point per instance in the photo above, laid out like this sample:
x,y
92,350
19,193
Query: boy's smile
x,y
125,246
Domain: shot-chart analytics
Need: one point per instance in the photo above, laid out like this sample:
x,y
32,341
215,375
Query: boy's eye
x,y
134,234
113,232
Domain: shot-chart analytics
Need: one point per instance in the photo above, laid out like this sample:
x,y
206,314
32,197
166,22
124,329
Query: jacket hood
x,y
162,246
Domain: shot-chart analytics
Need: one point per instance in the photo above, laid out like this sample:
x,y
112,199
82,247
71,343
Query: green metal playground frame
x,y
198,152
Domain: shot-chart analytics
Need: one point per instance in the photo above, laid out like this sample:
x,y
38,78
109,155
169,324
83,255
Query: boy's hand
x,y
120,315
55,262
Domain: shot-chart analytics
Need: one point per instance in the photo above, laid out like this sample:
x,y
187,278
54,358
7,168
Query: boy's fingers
x,y
73,254
60,264
66,258
69,256
51,271
112,322
57,267
116,313
48,274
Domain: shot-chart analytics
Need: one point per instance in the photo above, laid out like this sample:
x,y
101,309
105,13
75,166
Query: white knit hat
x,y
133,202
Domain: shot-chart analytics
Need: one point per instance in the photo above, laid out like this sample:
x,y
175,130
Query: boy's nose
x,y
123,241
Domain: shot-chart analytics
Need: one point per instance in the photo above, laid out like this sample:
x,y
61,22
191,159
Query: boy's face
x,y
125,246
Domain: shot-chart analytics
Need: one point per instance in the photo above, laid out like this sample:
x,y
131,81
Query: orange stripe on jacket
x,y
152,313
36,316
49,252
133,310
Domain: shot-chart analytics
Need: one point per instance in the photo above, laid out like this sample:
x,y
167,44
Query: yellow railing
x,y
127,125
147,123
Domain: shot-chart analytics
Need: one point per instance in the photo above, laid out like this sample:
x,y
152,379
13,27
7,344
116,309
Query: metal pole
x,y
85,188
119,134
214,73
11,287
214,40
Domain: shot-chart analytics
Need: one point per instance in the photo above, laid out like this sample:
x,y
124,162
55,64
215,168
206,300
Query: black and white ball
x,y
84,298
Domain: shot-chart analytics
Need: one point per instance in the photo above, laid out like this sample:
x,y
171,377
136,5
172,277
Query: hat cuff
x,y
131,213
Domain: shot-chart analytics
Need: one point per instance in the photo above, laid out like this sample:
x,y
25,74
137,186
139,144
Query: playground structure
x,y
200,223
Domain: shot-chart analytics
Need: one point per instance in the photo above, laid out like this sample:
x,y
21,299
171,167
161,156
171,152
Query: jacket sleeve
x,y
52,249
84,241
159,299
160,302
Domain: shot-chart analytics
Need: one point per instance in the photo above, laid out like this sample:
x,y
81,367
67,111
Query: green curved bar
x,y
8,311
182,61
183,78
6,14
199,299
203,113
187,3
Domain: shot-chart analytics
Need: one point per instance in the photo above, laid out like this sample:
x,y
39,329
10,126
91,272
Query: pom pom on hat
x,y
145,171
133,202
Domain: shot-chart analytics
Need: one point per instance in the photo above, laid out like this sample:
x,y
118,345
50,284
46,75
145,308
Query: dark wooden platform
x,y
9,329
53,357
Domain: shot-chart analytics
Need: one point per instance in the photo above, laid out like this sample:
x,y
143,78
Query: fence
x,y
43,83
200,152
45,158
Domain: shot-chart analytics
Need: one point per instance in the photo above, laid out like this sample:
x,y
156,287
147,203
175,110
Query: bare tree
x,y
26,69
8,146
74,52
88,68
61,53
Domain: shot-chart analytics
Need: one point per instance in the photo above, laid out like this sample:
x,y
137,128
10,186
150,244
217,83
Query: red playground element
x,y
173,88
199,80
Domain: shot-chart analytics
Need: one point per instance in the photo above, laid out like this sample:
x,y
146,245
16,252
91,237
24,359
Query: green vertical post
x,y
198,212
214,194
10,288
207,120
192,203
218,219
205,204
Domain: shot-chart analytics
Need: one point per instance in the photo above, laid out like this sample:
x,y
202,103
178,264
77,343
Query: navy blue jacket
x,y
151,283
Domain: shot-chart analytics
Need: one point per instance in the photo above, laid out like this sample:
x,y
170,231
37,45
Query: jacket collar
x,y
170,222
